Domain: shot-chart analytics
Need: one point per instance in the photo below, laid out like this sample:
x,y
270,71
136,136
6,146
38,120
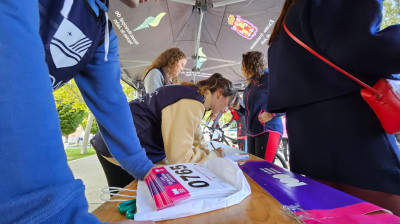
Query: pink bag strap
x,y
328,62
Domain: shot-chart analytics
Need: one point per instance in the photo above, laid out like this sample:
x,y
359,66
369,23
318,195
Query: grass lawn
x,y
74,152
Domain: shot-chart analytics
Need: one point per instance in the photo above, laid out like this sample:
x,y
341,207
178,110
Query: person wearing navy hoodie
x,y
168,124
264,129
63,39
335,137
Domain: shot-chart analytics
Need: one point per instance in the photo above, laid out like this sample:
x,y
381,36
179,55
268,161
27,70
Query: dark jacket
x,y
333,133
146,113
255,101
342,33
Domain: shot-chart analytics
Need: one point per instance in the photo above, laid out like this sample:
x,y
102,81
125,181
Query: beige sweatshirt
x,y
183,139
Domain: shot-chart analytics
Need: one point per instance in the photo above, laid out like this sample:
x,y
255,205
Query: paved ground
x,y
89,170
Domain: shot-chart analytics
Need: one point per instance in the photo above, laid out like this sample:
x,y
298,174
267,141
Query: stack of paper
x,y
171,184
165,189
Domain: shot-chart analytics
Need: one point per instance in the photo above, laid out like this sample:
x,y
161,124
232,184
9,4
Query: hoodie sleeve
x,y
100,86
36,184
199,141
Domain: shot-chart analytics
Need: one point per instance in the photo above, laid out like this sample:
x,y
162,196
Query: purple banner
x,y
295,191
311,201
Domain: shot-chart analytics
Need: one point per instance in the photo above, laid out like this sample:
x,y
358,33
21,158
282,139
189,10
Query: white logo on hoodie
x,y
68,45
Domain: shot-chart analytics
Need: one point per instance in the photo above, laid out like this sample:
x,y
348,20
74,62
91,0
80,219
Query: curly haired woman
x,y
264,129
164,70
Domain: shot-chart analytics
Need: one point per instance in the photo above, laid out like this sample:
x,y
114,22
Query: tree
x,y
70,118
225,118
391,13
87,131
94,128
69,94
129,91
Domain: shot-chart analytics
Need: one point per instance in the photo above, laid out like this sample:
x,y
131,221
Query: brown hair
x,y
166,59
279,22
214,83
253,63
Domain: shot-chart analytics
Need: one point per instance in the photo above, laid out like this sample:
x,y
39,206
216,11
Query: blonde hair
x,y
166,59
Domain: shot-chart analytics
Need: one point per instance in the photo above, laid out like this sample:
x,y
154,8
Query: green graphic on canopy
x,y
202,59
151,21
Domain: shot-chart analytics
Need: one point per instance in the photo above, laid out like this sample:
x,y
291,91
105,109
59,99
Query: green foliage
x,y
391,13
69,94
207,115
129,91
75,153
70,118
226,117
94,129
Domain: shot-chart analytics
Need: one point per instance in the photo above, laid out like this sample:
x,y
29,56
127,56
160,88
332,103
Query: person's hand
x,y
264,117
236,106
220,152
155,166
128,221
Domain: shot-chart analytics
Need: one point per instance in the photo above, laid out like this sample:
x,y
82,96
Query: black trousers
x,y
116,176
256,145
264,145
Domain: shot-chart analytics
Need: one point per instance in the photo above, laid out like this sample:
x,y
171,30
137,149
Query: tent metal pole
x,y
189,2
197,44
225,2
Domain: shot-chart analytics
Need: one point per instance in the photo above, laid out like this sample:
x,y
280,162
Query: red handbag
x,y
383,97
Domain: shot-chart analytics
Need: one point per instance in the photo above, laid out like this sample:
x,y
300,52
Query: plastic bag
x,y
223,168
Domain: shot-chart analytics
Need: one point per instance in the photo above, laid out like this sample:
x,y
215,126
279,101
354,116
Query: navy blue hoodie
x,y
63,39
255,101
334,135
338,31
146,113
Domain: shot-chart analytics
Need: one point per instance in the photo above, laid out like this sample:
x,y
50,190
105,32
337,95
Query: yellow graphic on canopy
x,y
151,21
202,59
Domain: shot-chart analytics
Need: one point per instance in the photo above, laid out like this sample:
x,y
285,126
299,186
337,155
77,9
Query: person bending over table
x,y
335,137
168,125
164,70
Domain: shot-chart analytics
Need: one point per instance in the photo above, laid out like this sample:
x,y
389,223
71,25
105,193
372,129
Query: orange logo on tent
x,y
242,27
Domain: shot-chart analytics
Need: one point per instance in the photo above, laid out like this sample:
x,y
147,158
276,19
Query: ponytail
x,y
279,22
